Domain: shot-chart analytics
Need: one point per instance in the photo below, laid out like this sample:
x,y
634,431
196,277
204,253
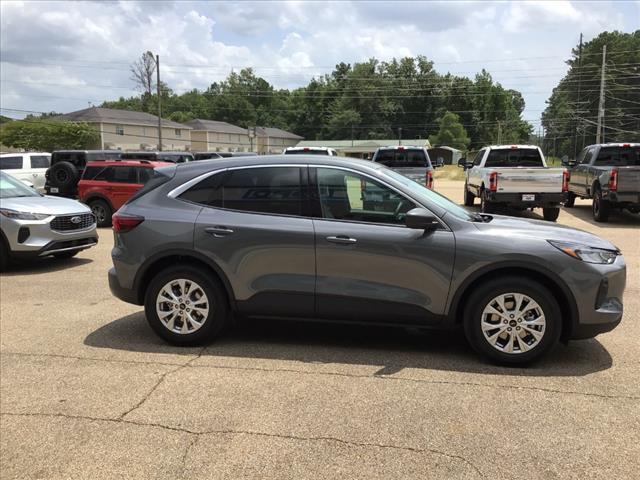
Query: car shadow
x,y
617,219
42,265
390,349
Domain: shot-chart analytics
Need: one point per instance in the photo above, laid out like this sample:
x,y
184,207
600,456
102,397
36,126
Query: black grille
x,y
73,222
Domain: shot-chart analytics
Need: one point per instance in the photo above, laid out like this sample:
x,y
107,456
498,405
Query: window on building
x,y
178,132
119,130
144,132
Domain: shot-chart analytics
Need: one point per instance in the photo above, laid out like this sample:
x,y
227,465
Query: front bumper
x,y
599,300
36,238
540,199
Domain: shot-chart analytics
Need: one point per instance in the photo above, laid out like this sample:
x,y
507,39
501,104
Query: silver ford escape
x,y
328,238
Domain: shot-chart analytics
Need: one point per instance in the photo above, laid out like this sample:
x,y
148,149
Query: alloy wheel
x,y
513,323
182,306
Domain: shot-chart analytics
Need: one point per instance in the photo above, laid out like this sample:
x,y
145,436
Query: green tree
x,y
451,133
49,135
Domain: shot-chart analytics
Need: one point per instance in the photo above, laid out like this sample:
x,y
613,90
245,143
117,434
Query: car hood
x,y
45,205
512,228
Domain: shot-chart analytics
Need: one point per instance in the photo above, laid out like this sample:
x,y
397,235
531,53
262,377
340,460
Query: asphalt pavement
x,y
87,391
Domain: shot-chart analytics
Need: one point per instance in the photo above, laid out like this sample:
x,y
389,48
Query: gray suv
x,y
292,236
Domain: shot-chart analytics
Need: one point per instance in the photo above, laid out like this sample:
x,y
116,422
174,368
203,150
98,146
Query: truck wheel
x,y
485,204
102,212
512,320
551,214
185,306
601,207
468,197
571,200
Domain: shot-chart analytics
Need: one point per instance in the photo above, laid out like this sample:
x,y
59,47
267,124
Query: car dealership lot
x,y
88,391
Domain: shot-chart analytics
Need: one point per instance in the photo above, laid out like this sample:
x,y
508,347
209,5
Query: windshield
x,y
514,157
397,158
12,188
619,156
423,192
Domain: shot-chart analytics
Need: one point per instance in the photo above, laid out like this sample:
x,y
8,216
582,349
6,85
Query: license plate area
x,y
528,197
54,189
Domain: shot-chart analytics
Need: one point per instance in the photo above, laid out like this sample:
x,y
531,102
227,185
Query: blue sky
x,y
62,56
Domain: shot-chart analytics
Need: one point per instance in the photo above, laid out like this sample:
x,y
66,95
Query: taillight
x,y
125,223
565,180
493,181
429,180
613,180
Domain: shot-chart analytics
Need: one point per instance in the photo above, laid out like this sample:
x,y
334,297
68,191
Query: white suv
x,y
27,167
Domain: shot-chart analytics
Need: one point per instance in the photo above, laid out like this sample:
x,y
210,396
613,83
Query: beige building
x,y
274,140
214,136
129,130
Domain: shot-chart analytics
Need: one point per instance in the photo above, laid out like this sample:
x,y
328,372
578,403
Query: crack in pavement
x,y
159,382
197,435
189,364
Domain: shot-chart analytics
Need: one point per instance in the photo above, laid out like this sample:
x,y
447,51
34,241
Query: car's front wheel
x,y
102,211
185,306
513,320
468,196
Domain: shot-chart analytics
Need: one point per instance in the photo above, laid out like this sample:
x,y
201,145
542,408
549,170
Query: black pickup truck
x,y
609,173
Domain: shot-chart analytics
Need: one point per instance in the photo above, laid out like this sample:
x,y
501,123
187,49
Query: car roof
x,y
87,151
496,147
400,147
128,163
308,148
2,155
204,166
615,144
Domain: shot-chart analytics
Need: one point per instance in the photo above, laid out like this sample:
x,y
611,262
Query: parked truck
x,y
609,174
515,176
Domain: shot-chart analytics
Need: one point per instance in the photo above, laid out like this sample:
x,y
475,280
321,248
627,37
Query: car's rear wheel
x,y
185,306
601,208
468,196
512,320
571,200
485,204
551,214
102,211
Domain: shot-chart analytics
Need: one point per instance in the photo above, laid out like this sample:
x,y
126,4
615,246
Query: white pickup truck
x,y
29,167
515,176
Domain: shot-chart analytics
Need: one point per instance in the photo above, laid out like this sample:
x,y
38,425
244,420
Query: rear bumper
x,y
629,198
540,199
125,294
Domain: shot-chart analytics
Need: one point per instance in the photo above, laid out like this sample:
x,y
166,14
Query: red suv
x,y
105,186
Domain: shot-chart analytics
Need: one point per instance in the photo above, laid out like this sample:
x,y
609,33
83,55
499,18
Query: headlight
x,y
586,253
23,215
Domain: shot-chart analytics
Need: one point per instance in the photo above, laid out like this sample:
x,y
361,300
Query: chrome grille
x,y
73,222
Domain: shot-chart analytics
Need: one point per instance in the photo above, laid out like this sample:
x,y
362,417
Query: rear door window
x,y
397,158
144,174
514,157
40,161
124,175
275,190
11,163
618,156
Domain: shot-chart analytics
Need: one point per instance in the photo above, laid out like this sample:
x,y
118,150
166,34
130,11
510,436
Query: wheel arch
x,y
557,287
98,196
159,262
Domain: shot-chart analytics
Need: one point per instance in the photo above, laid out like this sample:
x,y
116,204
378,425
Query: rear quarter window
x,y
96,173
40,161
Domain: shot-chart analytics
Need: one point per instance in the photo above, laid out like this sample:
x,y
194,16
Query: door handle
x,y
343,239
218,231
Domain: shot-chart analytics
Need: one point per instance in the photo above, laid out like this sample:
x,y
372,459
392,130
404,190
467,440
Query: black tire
x,y
571,200
468,197
551,214
64,255
601,208
214,322
485,205
64,175
481,298
4,256
102,211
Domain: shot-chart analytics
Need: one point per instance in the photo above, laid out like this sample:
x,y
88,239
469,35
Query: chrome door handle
x,y
218,231
343,239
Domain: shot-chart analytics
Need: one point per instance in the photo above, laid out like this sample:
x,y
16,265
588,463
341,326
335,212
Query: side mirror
x,y
571,163
421,219
462,163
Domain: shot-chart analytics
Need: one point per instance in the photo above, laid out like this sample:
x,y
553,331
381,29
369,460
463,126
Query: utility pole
x,y
399,135
575,140
159,103
499,133
600,131
352,134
